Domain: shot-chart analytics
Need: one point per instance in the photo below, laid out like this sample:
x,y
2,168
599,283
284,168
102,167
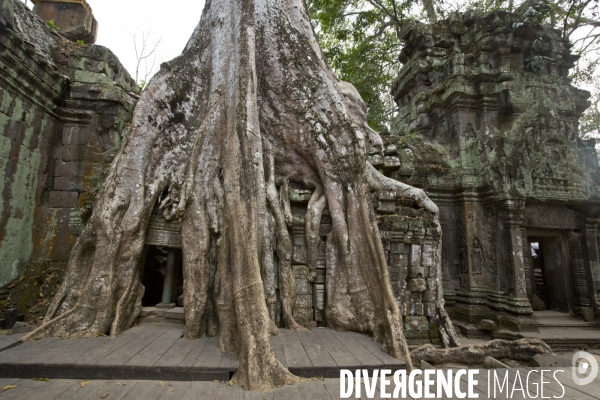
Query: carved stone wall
x,y
410,242
74,18
488,125
63,110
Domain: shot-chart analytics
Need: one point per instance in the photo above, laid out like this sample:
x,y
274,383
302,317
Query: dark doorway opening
x,y
549,279
153,275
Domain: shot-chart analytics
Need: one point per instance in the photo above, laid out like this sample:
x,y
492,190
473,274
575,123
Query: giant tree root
x,y
216,136
520,350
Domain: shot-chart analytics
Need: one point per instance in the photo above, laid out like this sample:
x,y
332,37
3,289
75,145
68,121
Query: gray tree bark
x,y
521,350
217,135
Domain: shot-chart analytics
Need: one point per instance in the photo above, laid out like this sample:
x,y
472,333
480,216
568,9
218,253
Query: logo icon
x,y
584,364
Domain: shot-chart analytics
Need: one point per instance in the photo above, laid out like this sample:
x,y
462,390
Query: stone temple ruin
x,y
63,109
487,124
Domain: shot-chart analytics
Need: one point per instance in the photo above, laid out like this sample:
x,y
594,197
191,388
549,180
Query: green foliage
x,y
361,44
143,84
50,24
590,123
81,42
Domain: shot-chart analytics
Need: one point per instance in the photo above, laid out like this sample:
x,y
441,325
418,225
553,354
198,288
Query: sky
x,y
171,21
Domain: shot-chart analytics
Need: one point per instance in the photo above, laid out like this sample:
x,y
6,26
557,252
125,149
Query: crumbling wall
x,y
410,242
488,125
63,110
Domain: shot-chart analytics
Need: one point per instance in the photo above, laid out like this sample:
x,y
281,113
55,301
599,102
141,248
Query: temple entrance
x,y
549,273
162,276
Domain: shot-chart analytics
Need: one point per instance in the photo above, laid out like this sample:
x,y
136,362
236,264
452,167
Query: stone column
x,y
513,224
169,278
590,241
167,295
519,303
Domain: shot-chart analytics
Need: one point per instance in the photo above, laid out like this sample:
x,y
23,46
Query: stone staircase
x,y
157,316
556,319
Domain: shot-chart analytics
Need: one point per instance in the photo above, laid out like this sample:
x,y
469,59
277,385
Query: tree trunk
x,y
521,350
249,106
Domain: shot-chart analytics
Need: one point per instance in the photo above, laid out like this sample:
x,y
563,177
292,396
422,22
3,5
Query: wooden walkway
x,y
325,389
159,352
8,341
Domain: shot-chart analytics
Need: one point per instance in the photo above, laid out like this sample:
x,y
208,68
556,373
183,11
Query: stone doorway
x,y
549,283
162,276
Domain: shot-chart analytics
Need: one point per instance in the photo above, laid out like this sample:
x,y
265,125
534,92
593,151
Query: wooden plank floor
x,y
160,352
322,389
8,341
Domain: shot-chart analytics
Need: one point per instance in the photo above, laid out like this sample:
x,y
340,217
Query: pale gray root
x,y
196,241
267,263
287,282
520,350
284,197
250,91
378,181
492,363
314,212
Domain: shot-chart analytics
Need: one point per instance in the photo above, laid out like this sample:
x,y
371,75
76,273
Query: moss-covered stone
x,y
63,109
488,125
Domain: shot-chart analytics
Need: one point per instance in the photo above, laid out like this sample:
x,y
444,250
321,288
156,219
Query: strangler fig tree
x,y
216,137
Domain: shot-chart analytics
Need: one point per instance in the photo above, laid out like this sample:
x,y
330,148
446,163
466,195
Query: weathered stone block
x,y
376,160
76,135
320,276
415,323
67,184
391,163
417,285
71,169
415,254
386,207
398,248
429,296
63,199
390,150
487,325
318,299
423,120
300,271
74,152
429,309
418,271
395,274
75,223
299,254
75,19
319,315
303,301
415,308
431,285
20,328
398,260
302,314
299,195
429,255
303,286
